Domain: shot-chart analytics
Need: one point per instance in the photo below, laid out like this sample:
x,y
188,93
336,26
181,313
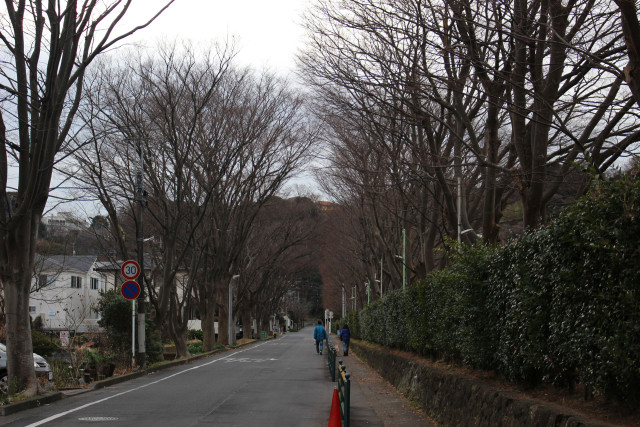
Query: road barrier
x,y
331,356
344,392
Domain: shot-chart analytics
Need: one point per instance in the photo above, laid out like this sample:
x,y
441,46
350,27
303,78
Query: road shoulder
x,y
370,393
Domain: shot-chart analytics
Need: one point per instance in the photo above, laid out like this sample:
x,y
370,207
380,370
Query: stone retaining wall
x,y
453,400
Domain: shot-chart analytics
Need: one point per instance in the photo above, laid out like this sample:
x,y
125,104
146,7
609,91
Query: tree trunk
x,y
631,31
179,337
178,325
490,228
223,303
246,324
17,284
259,326
207,320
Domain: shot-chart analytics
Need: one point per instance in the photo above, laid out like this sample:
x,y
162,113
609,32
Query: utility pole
x,y
142,355
381,272
459,209
368,285
404,258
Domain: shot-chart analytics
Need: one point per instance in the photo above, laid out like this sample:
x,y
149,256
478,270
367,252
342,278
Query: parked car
x,y
42,368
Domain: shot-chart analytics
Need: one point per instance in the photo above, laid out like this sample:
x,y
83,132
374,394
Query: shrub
x,y
115,313
195,334
560,304
195,348
42,344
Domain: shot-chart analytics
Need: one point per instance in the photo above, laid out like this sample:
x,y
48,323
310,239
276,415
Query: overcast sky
x,y
268,31
268,34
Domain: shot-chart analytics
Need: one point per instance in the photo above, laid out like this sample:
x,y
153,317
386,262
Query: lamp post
x,y
459,206
404,257
367,285
381,273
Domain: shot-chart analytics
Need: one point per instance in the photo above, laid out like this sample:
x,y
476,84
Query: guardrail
x,y
344,393
331,356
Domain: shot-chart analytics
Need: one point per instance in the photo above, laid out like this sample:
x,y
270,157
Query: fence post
x,y
344,393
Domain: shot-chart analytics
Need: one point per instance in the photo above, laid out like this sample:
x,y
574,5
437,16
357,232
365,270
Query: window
x,y
32,309
94,283
76,282
43,281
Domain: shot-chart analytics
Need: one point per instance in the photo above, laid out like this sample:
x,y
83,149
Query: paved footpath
x,y
375,402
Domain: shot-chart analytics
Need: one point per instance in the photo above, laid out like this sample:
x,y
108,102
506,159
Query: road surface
x,y
270,383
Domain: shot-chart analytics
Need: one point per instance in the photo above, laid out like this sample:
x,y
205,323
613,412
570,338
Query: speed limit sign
x,y
130,269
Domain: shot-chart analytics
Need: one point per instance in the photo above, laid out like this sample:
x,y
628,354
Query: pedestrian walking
x,y
345,336
319,334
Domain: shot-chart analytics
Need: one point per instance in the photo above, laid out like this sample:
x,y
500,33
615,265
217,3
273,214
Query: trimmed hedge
x,y
559,305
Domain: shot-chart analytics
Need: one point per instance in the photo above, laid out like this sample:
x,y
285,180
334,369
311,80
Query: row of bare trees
x,y
217,144
46,49
462,118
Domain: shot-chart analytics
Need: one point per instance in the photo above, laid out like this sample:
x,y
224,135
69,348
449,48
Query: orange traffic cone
x,y
335,419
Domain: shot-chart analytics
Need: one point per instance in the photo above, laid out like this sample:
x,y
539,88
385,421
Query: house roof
x,y
105,266
82,263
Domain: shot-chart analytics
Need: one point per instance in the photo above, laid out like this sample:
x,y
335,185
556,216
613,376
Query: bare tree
x,y
267,134
48,49
418,95
280,246
631,30
161,106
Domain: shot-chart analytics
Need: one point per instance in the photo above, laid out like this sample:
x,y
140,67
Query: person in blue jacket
x,y
319,334
345,336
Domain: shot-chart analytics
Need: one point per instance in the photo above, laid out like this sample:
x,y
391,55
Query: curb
x,y
37,401
30,403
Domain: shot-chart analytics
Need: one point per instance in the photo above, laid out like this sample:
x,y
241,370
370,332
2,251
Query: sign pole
x,y
133,333
131,290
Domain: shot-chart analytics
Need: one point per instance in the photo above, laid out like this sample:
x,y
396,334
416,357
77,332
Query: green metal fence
x,y
344,393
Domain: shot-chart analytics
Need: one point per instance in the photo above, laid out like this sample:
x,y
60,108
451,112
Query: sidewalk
x,y
375,402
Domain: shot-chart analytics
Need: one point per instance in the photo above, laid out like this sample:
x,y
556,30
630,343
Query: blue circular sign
x,y
130,290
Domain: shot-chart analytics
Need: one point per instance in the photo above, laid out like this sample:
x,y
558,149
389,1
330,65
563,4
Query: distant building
x,y
325,206
65,290
64,221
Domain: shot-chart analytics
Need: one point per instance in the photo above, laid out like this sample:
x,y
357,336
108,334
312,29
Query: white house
x,y
64,292
64,221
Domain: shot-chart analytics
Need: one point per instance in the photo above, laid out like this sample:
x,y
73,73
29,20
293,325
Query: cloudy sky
x,y
268,32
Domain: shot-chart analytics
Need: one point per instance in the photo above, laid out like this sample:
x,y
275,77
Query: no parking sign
x,y
130,290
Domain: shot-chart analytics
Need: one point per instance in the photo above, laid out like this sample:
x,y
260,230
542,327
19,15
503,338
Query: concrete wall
x,y
453,400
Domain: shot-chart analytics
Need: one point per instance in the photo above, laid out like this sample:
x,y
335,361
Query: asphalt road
x,y
274,383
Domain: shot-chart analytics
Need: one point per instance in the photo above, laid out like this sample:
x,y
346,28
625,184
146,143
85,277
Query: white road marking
x,y
70,411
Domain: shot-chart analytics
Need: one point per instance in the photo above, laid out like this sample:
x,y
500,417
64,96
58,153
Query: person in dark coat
x,y
319,334
345,336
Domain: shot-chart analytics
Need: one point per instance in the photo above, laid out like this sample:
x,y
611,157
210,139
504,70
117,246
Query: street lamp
x,y
404,269
367,285
231,325
468,230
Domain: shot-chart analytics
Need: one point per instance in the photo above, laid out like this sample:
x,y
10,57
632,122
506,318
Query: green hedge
x,y
560,305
